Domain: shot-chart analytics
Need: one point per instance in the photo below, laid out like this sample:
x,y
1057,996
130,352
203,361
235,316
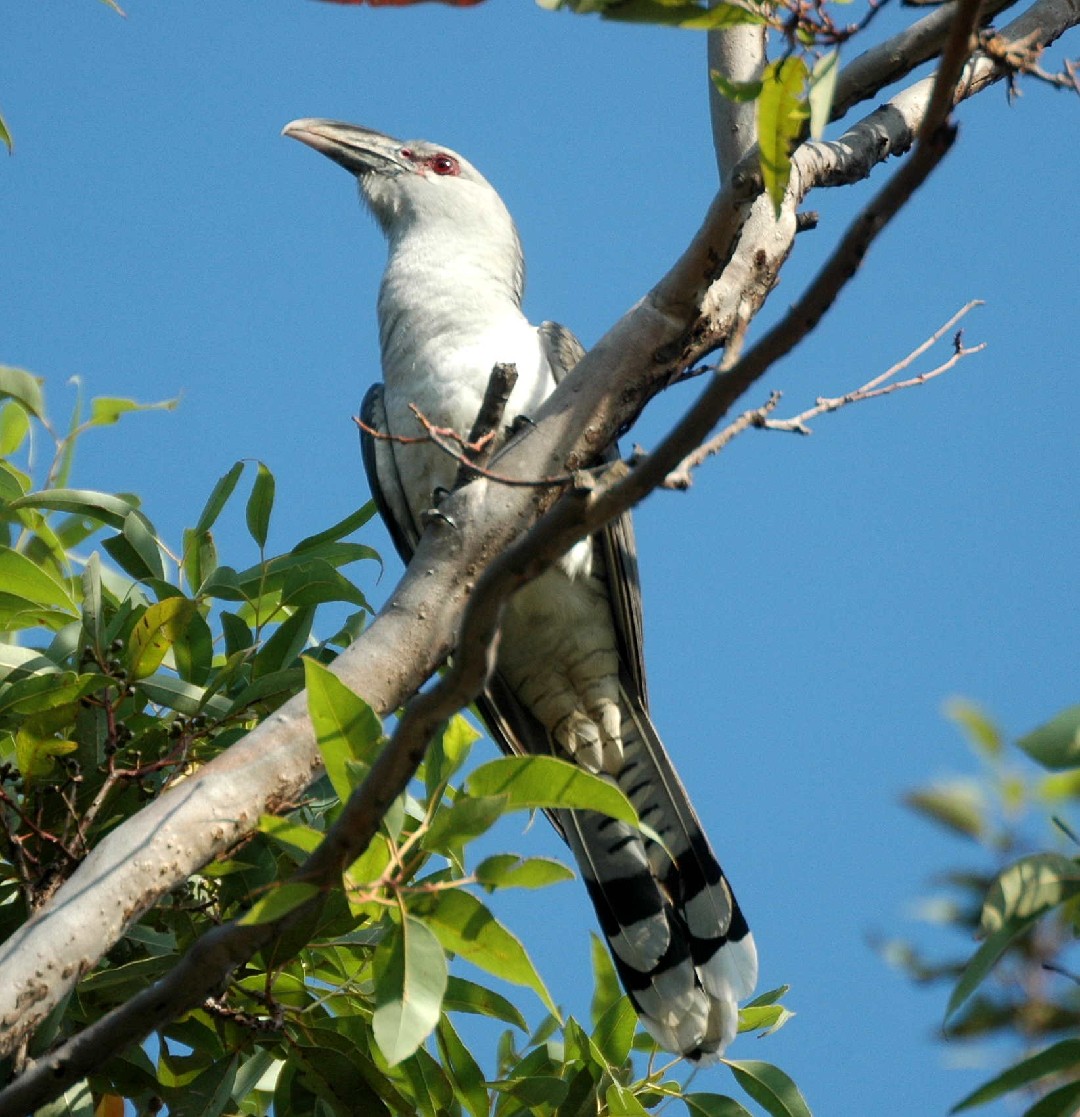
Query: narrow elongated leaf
x,y
5,136
781,112
770,1087
607,989
507,870
18,384
464,926
765,1019
977,726
14,427
218,498
299,839
22,578
714,1105
106,410
1029,887
1056,745
260,504
614,1032
353,522
545,782
465,1074
156,631
737,91
278,902
1062,1102
622,1103
1056,1059
463,995
410,979
822,88
101,507
984,960
346,727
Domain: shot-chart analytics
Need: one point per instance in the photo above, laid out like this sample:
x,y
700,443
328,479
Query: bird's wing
x,y
618,547
383,478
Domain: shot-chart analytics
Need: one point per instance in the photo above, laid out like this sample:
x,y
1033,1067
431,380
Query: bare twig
x,y
467,452
488,420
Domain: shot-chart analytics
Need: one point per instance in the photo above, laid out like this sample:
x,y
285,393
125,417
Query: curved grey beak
x,y
358,150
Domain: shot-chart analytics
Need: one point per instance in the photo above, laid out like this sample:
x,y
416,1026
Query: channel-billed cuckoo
x,y
569,677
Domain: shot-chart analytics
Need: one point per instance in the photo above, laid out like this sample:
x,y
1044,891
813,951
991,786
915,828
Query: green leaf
x,y
14,427
763,1018
1062,1102
984,960
467,818
38,742
155,632
317,582
958,805
1056,744
507,870
622,1103
667,13
770,997
465,1074
103,508
464,926
714,1105
346,727
22,578
977,726
18,384
545,782
347,526
218,498
607,989
1028,888
448,753
410,980
5,136
613,1034
1062,1057
781,112
467,996
738,91
259,505
770,1087
106,410
298,839
822,89
185,698
278,902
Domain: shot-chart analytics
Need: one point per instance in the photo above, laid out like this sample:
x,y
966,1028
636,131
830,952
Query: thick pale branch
x,y
208,812
886,63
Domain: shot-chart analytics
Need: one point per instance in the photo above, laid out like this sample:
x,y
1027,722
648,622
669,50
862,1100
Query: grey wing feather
x,y
380,465
618,548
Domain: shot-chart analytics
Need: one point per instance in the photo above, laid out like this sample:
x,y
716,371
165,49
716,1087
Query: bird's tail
x,y
680,943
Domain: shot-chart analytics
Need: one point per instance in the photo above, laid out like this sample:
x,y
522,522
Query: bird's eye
x,y
406,153
443,164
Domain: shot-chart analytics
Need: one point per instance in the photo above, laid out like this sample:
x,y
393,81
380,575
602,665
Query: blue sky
x,y
810,603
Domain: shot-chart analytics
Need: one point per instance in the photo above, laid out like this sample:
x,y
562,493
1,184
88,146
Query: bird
x,y
569,676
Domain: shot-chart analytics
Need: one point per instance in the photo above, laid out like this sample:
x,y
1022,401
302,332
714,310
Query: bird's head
x,y
405,182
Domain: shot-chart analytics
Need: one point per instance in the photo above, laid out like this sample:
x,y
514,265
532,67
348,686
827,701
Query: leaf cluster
x,y
1024,908
124,666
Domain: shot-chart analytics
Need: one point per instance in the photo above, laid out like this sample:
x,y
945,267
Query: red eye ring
x,y
443,164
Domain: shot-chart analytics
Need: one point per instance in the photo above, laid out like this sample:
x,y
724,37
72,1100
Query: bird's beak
x,y
358,150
